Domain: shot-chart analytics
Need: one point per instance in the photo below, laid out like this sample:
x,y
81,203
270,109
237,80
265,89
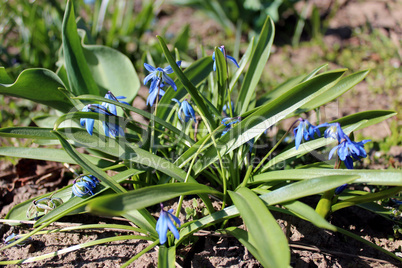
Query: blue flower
x,y
111,107
85,185
153,92
159,76
164,223
340,189
186,109
222,48
229,122
305,130
110,129
333,131
349,150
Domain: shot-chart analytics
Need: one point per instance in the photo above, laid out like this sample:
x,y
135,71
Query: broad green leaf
x,y
48,154
290,193
195,95
119,147
268,115
313,73
27,132
119,204
304,188
38,85
279,90
79,75
369,197
267,237
372,177
222,76
125,151
257,65
341,87
286,86
112,71
167,257
367,117
306,212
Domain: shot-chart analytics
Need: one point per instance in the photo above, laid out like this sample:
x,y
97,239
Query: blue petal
x,y
233,60
340,189
332,152
173,229
169,80
162,227
298,138
348,162
106,129
177,101
149,77
90,125
149,67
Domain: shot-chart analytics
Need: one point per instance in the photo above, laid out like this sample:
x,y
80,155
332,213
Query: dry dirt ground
x,y
310,246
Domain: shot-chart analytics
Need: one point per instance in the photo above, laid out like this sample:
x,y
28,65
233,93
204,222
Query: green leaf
x,y
27,132
268,115
222,76
306,212
304,188
281,195
267,237
257,65
119,204
369,197
79,75
167,257
38,85
367,118
371,177
279,90
195,95
341,87
112,71
48,154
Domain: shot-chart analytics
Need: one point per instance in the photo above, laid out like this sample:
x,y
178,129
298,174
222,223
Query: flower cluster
x,y
222,49
85,185
166,221
111,129
228,122
348,150
159,78
185,109
305,130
